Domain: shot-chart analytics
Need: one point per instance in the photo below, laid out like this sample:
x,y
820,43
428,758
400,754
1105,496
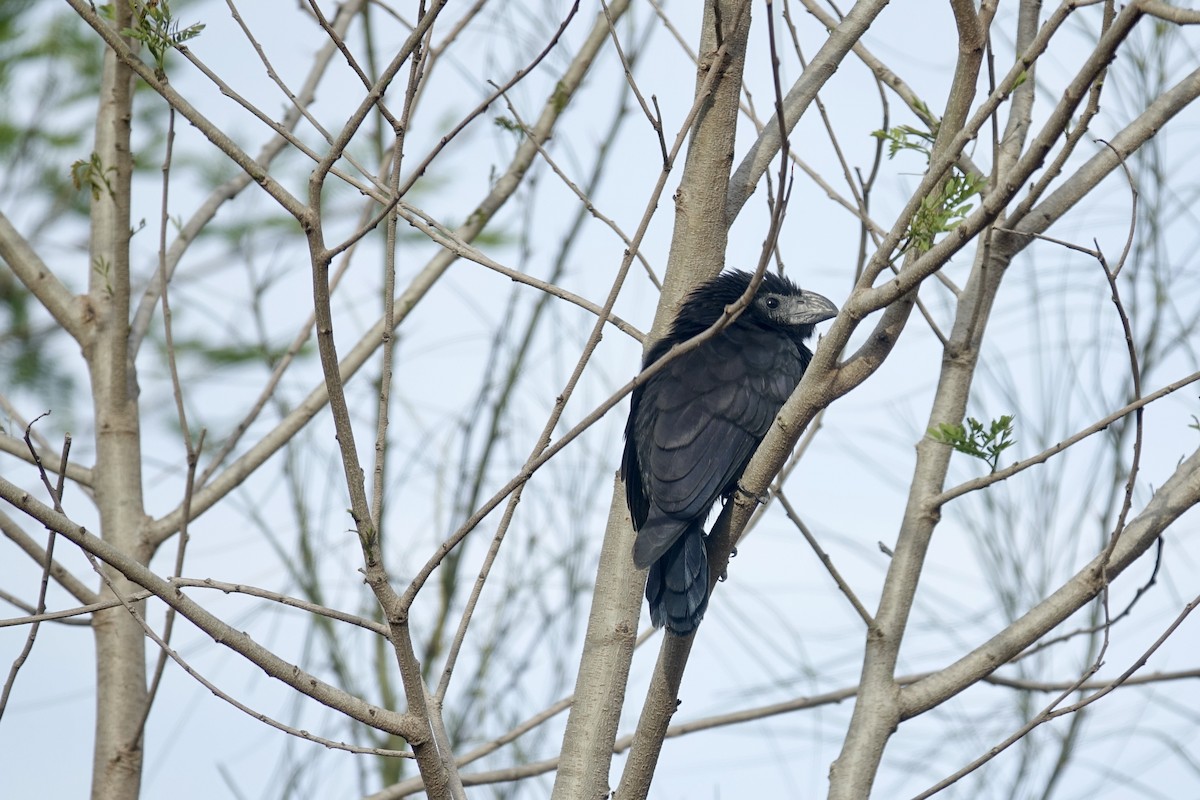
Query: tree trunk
x,y
120,647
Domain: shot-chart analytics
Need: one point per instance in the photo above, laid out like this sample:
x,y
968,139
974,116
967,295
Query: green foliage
x,y
510,125
157,29
940,212
975,440
44,130
92,174
905,137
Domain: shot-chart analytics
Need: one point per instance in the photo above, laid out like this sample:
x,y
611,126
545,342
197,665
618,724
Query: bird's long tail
x,y
677,585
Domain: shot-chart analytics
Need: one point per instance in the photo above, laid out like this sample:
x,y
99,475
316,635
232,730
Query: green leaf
x,y
157,29
976,440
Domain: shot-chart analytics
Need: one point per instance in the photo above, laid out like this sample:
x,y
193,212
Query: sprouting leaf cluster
x,y
509,124
940,211
158,31
977,441
92,174
905,137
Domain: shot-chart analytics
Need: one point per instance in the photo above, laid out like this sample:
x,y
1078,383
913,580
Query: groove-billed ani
x,y
694,425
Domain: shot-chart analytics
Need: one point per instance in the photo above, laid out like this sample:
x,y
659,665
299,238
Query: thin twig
x,y
1074,136
340,43
419,169
282,130
583,197
82,476
655,118
192,450
825,559
371,625
451,241
40,606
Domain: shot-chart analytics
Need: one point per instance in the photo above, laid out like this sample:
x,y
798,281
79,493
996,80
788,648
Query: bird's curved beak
x,y
813,308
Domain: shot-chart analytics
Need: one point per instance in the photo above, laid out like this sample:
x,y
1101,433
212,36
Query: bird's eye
x,y
772,302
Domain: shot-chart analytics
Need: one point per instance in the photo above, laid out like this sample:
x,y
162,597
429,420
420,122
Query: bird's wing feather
x,y
631,473
702,416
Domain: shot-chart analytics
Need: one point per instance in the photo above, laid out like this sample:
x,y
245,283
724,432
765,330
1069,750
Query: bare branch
x,y
1179,493
14,446
1166,11
825,559
38,278
221,633
1053,712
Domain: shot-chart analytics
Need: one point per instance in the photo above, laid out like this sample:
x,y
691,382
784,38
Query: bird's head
x,y
778,304
781,303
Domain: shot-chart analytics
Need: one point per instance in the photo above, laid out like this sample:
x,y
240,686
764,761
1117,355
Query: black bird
x,y
694,425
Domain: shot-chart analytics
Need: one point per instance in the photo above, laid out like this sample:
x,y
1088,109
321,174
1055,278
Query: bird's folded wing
x,y
710,412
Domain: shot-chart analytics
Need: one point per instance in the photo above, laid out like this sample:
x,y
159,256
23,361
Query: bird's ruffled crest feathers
x,y
707,302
